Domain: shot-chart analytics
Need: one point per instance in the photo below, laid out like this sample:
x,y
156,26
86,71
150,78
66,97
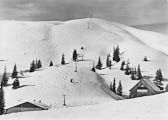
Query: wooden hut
x,y
144,88
27,106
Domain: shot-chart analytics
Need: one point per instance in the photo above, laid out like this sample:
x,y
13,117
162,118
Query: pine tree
x,y
119,89
4,78
14,73
32,66
93,69
116,54
122,65
39,64
16,83
99,64
51,63
108,61
36,64
132,74
63,60
158,79
127,70
145,59
139,75
75,55
114,86
2,100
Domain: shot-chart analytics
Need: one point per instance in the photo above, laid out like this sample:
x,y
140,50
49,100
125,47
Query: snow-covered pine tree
x,y
4,78
139,75
2,100
75,55
158,79
114,86
39,64
116,54
51,63
36,64
14,73
145,58
16,83
32,66
108,61
99,64
119,89
127,70
63,60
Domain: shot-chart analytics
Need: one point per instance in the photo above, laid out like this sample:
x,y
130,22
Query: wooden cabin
x,y
27,106
144,87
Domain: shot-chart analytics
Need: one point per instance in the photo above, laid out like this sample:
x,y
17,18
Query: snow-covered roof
x,y
39,104
150,83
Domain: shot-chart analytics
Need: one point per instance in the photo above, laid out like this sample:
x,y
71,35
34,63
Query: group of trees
x,y
36,64
134,72
158,79
118,91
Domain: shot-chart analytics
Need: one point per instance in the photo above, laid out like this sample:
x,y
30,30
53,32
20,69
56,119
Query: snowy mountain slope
x,y
25,41
51,84
48,40
144,108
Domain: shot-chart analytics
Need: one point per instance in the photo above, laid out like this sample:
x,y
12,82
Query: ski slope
x,y
51,84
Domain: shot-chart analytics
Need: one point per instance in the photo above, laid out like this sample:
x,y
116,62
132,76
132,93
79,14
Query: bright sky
x,y
123,11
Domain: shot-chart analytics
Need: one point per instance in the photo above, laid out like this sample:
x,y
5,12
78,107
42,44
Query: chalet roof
x,y
38,104
149,83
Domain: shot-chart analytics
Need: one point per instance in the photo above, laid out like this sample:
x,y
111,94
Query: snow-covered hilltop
x,y
24,41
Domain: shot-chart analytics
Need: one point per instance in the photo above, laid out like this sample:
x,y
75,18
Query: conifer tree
x,y
75,55
99,64
119,89
122,65
51,63
39,64
14,73
158,79
93,69
116,54
145,59
114,86
2,100
139,75
127,70
108,61
63,60
4,78
16,83
132,74
32,66
36,64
